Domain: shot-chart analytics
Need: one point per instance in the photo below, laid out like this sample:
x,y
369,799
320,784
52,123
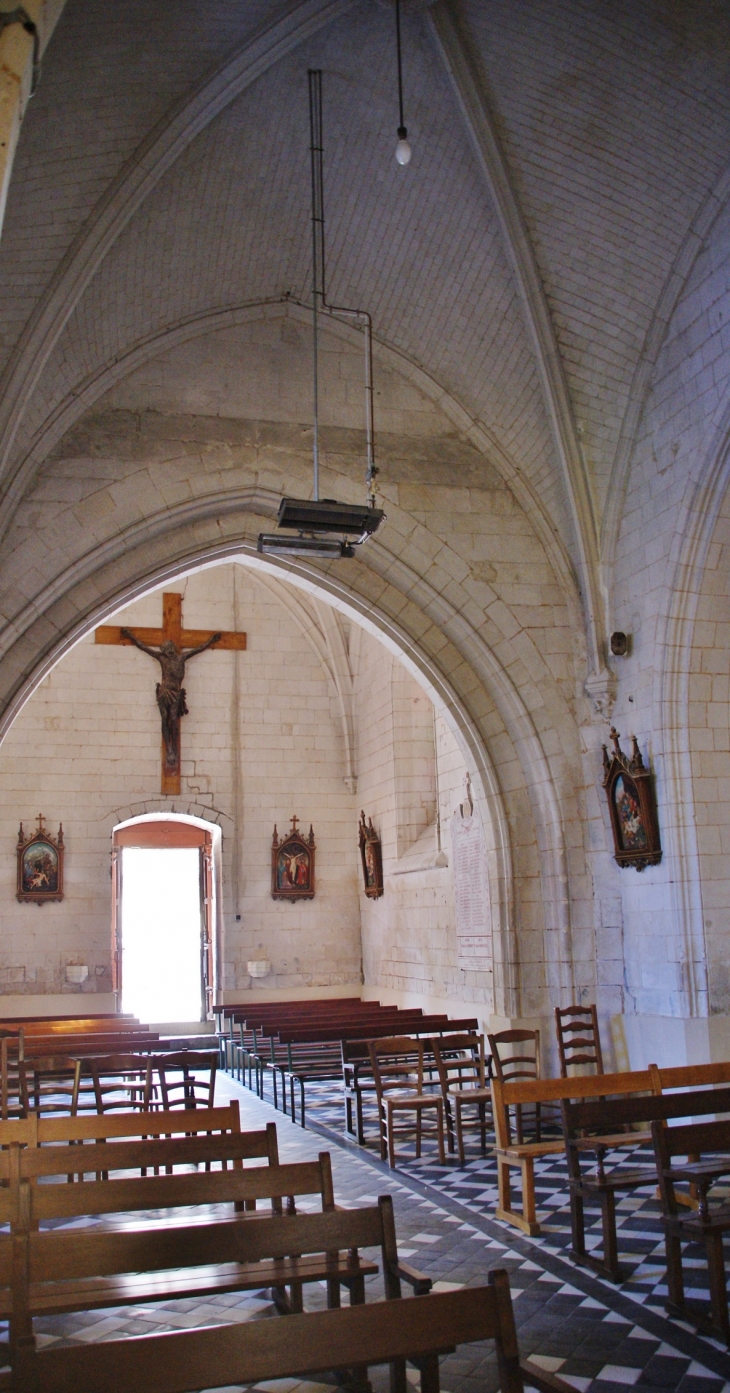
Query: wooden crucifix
x,y
172,646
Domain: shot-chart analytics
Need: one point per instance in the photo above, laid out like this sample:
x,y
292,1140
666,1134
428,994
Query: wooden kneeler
x,y
296,1347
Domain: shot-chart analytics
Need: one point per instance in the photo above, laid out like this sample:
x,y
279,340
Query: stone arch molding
x,y
181,807
185,538
694,528
87,393
142,172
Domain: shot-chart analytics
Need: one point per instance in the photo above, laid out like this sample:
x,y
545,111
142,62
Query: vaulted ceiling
x,y
568,159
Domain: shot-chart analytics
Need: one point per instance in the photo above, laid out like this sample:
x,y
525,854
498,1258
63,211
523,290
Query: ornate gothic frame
x,y
632,807
301,852
371,855
35,894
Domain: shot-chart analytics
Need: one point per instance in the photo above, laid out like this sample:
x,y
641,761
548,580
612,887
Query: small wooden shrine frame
x,y
371,855
40,865
292,865
631,805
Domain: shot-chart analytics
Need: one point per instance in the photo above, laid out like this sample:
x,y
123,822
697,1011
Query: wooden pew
x,y
296,1055
270,1039
237,1016
523,1155
77,1025
703,1227
35,1277
299,1347
315,1055
607,1119
91,1042
305,1015
71,1141
61,1270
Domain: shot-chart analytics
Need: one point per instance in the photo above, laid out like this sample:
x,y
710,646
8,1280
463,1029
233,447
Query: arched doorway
x,y
164,917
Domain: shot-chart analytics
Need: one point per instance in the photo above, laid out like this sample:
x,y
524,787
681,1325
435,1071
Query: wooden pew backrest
x,y
555,1090
300,1346
122,1193
608,1115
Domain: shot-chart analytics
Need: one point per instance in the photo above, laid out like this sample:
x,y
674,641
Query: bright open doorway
x,y
161,933
162,919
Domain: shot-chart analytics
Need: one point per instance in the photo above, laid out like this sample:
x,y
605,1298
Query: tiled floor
x,y
595,1335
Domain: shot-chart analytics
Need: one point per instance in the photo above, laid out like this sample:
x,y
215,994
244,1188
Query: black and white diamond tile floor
x,y
596,1336
589,1330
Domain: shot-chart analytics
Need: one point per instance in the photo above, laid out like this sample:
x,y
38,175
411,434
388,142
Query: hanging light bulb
x,y
403,150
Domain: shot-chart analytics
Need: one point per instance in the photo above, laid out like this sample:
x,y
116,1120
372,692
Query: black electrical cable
x,y
402,131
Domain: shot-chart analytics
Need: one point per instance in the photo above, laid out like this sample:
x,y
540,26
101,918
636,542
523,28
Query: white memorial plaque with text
x,y
471,893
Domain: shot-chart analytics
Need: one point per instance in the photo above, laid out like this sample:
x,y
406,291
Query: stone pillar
x,y
16,76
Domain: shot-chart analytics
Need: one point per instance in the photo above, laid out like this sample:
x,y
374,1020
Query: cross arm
x,y
190,638
193,638
112,633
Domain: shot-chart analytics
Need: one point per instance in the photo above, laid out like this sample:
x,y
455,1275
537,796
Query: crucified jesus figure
x,y
169,690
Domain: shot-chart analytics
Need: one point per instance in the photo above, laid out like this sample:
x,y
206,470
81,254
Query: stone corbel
x,y
600,688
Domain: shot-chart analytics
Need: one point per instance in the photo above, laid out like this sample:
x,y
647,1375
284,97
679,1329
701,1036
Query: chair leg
x,y
382,1120
360,1122
398,1381
718,1289
442,1154
391,1138
483,1126
527,1169
429,1367
301,1099
450,1123
460,1133
610,1241
418,1133
577,1224
675,1279
503,1182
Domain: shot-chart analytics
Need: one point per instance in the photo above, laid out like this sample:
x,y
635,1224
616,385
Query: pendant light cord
x,y
402,132
319,293
318,281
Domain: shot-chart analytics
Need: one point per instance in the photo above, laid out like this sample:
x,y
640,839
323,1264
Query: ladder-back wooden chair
x,y
515,1059
13,1083
579,1039
119,1083
464,1083
186,1079
398,1067
51,1084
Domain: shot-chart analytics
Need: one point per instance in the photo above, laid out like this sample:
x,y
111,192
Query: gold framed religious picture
x,y
292,865
371,856
40,865
631,805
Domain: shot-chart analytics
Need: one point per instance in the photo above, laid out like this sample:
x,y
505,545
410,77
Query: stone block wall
x,y
260,743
